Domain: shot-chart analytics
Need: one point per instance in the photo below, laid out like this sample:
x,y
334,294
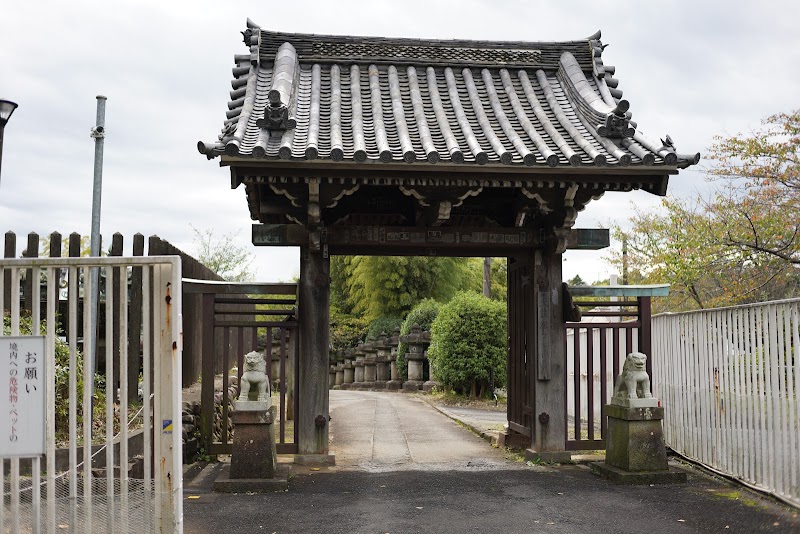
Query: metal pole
x,y
98,134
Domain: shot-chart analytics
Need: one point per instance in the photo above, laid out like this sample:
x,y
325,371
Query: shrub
x,y
383,324
346,330
468,340
422,314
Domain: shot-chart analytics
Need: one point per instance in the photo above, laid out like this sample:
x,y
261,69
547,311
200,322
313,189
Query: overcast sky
x,y
692,69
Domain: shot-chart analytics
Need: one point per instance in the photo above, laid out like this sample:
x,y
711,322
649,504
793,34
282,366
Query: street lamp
x,y
7,107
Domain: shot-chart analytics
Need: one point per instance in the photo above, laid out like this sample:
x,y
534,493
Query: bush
x,y
346,330
468,340
383,324
422,314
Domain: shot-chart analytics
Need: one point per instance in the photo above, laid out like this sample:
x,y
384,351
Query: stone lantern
x,y
431,383
383,350
358,375
339,376
348,370
417,341
331,368
370,366
394,382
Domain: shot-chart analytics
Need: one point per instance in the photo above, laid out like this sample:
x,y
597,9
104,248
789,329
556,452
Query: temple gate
x,y
375,146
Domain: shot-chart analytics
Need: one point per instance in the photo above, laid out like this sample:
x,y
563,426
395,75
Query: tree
x,y
576,281
222,255
739,245
761,199
376,286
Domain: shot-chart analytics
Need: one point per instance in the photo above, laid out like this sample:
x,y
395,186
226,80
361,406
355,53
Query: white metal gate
x,y
84,486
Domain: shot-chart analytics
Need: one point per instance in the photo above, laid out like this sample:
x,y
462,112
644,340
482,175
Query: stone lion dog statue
x,y
254,378
634,381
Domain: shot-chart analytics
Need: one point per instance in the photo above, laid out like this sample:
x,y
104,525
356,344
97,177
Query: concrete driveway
x,y
375,432
403,467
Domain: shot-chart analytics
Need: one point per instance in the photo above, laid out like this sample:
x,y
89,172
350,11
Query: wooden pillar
x,y
549,350
313,311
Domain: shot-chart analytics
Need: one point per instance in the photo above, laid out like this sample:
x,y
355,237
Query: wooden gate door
x,y
519,313
238,318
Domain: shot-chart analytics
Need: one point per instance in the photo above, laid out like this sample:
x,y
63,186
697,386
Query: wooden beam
x,y
313,311
389,240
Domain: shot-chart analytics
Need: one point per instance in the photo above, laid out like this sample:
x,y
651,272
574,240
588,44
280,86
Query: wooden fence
x,y
192,355
729,381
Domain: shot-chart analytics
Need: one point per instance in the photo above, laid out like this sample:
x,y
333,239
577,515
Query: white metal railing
x,y
89,494
729,381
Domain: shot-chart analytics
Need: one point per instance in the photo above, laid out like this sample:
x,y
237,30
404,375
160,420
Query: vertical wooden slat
x,y
225,371
207,385
282,346
590,382
576,380
604,398
135,322
113,286
9,251
31,251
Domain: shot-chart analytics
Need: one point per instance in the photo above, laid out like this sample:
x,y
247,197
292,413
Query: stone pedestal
x,y
339,379
635,450
254,454
417,341
415,369
348,371
370,366
394,378
331,376
358,375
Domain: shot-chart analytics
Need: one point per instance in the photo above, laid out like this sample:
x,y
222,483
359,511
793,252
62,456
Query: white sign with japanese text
x,y
22,389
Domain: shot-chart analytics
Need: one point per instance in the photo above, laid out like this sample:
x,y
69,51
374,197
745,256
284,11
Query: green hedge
x,y
385,324
422,314
468,339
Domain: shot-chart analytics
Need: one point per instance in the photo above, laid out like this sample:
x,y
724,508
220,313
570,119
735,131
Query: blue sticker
x,y
166,426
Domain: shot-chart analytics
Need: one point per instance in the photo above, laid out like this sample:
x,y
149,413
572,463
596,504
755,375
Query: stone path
x,y
377,432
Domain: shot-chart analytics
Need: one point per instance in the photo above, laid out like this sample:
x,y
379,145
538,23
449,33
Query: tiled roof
x,y
368,100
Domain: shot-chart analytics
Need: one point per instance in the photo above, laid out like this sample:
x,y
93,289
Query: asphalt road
x,y
402,467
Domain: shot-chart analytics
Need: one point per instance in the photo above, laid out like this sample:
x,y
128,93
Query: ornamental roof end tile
x,y
361,100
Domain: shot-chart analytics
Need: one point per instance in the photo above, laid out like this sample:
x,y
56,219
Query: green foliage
x,y
374,286
742,243
346,330
576,281
423,315
222,255
468,339
383,324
